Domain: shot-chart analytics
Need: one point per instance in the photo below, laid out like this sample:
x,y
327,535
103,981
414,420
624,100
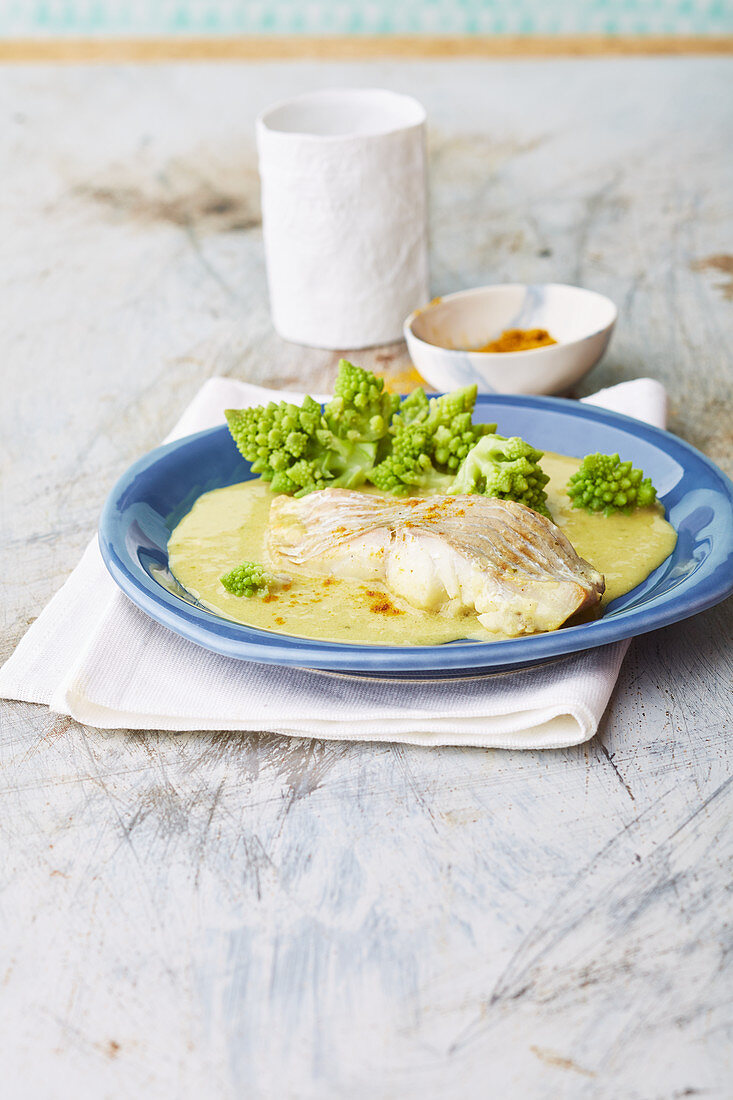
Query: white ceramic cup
x,y
344,214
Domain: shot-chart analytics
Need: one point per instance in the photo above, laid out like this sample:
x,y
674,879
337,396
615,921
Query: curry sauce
x,y
227,526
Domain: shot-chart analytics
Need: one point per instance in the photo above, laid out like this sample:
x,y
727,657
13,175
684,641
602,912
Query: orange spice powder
x,y
519,339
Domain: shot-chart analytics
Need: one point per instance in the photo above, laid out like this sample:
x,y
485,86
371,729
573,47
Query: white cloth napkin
x,y
93,655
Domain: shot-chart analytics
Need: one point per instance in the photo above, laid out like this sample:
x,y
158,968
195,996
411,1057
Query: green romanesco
x,y
413,408
248,579
505,468
279,440
360,410
604,483
430,438
408,466
452,430
302,448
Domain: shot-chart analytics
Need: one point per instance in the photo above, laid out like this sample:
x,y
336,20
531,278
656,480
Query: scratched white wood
x,y
251,916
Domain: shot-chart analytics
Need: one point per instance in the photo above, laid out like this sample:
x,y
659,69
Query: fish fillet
x,y
515,569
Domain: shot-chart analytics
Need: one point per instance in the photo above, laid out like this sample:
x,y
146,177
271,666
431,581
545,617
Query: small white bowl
x,y
440,335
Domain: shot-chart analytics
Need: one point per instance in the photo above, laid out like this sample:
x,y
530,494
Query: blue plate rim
x,y
242,642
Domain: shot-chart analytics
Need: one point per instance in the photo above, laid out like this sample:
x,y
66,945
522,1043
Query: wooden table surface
x,y
220,915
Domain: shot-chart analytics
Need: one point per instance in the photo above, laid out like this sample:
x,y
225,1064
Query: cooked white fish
x,y
511,566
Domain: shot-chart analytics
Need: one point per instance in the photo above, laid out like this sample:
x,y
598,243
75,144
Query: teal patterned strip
x,y
546,17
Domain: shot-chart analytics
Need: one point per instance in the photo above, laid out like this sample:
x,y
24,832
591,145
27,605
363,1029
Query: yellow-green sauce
x,y
228,526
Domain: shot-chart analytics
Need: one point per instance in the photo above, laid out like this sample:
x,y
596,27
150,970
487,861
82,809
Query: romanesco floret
x,y
408,465
302,448
413,409
604,483
430,438
276,436
452,430
504,468
356,419
248,579
360,409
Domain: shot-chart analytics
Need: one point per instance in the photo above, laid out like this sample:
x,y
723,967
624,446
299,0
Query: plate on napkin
x,y
158,490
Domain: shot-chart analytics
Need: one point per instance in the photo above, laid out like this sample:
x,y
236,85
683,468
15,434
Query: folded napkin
x,y
93,655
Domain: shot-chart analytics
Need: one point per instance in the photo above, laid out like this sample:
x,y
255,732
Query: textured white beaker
x,y
344,213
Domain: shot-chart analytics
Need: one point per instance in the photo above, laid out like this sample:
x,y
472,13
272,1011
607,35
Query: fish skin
x,y
511,566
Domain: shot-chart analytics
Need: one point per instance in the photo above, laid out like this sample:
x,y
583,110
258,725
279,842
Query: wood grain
x,y
212,914
261,47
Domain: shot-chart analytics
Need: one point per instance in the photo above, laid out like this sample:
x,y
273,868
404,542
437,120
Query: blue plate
x,y
154,494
